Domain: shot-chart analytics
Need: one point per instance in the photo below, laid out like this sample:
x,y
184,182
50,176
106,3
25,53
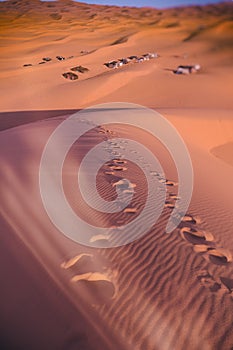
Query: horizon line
x,y
156,6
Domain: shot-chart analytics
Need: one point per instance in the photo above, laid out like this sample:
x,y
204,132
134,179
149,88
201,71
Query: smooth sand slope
x,y
163,291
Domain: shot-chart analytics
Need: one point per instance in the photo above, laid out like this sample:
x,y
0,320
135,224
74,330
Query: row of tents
x,y
138,59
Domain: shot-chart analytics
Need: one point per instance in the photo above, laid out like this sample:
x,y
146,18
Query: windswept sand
x,y
163,291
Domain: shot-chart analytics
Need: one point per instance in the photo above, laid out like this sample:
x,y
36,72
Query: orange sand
x,y
163,291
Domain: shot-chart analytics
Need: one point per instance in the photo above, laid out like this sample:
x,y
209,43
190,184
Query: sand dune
x,y
27,42
224,152
162,291
150,270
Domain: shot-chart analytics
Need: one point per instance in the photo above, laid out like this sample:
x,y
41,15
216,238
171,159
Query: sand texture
x,y
162,291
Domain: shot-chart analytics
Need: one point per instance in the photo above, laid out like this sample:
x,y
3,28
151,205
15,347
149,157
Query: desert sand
x,y
163,291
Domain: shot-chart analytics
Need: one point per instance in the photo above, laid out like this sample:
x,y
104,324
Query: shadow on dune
x,y
32,308
12,119
36,313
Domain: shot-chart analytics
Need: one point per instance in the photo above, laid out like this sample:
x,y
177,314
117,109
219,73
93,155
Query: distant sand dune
x,y
224,152
121,40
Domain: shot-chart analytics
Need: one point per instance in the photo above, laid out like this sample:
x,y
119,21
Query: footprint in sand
x,y
225,284
71,262
209,282
167,182
124,184
118,168
155,173
101,239
107,149
169,205
128,191
203,242
117,154
191,219
219,256
174,196
119,161
171,183
98,286
91,276
133,151
110,133
109,173
195,236
101,130
162,180
130,210
200,248
228,283
118,147
112,143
